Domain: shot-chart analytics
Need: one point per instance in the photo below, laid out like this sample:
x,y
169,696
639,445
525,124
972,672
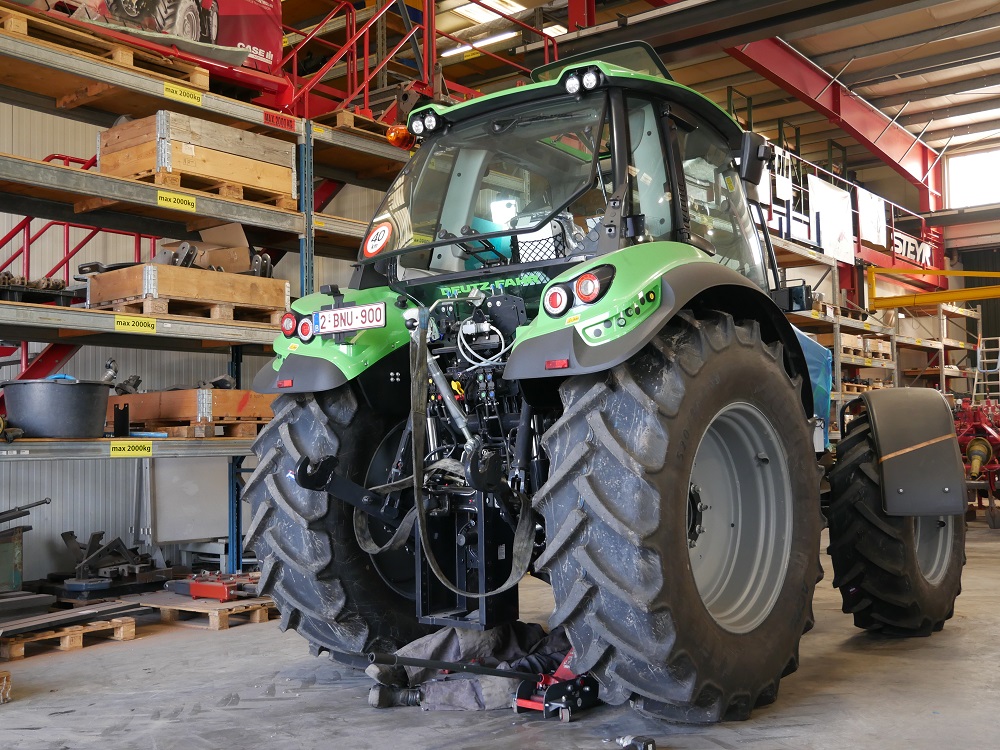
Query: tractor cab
x,y
590,158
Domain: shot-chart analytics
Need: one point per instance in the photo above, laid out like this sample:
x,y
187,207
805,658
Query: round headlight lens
x,y
590,80
417,126
572,84
430,121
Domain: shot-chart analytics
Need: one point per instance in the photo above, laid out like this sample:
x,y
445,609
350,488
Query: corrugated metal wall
x,y
92,496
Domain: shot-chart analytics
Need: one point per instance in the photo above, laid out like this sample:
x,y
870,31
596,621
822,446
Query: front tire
x,y
899,575
693,613
325,586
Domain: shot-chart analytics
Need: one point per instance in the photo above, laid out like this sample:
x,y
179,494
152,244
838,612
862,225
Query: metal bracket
x,y
323,478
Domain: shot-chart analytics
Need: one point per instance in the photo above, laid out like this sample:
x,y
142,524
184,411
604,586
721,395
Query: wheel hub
x,y
739,517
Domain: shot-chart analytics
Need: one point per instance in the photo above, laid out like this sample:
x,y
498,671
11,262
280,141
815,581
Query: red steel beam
x,y
895,145
582,13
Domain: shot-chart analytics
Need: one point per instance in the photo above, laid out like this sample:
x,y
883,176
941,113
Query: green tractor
x,y
564,352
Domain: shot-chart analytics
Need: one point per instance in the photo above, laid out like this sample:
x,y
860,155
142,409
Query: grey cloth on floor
x,y
519,646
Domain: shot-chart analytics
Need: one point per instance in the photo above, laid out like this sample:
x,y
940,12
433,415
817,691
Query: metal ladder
x,y
986,384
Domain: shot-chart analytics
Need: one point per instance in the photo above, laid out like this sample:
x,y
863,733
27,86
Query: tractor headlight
x,y
417,126
590,79
572,83
430,121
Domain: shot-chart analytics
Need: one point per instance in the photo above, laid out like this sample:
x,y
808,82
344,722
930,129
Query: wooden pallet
x,y
190,309
851,351
349,122
172,606
70,638
87,43
230,190
5,687
235,428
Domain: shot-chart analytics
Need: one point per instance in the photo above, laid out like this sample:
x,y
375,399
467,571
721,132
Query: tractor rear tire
x,y
693,613
178,17
325,586
898,575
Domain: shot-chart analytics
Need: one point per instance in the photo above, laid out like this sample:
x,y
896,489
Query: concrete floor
x,y
188,688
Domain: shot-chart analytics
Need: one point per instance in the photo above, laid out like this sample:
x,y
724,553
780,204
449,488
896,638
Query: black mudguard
x,y
918,455
299,374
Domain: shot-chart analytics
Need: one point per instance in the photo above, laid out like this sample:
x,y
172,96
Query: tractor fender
x,y
705,285
298,374
919,459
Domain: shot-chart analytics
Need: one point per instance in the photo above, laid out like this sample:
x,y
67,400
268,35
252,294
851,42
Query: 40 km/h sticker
x,y
378,239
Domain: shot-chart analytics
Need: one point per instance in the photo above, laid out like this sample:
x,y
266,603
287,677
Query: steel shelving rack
x,y
46,73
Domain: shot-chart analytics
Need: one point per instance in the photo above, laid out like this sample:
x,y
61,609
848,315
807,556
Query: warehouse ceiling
x,y
935,65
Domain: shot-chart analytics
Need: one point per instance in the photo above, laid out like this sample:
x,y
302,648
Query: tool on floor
x,y
11,434
562,693
98,564
636,742
21,511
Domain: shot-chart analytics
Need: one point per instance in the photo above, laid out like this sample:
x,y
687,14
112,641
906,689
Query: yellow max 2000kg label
x,y
131,448
181,94
176,201
134,324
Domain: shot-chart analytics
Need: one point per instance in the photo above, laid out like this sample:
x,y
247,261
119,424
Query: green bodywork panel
x,y
633,295
361,350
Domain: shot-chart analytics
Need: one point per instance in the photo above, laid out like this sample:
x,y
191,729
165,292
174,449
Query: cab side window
x,y
651,193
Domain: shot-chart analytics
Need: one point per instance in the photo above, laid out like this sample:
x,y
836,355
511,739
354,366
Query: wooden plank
x,y
87,95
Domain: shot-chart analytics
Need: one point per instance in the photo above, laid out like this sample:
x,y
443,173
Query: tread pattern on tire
x,y
325,587
602,512
166,15
873,562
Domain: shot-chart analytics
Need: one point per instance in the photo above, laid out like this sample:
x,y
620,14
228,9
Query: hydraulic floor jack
x,y
561,693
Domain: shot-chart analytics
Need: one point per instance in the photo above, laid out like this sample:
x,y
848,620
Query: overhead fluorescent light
x,y
555,29
482,43
479,14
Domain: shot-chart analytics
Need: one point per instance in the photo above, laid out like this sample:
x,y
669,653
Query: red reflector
x,y
285,383
556,364
288,324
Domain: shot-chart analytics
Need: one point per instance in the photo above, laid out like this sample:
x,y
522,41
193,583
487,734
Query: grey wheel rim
x,y
932,537
740,517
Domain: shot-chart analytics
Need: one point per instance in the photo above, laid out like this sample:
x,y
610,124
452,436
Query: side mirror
x,y
755,153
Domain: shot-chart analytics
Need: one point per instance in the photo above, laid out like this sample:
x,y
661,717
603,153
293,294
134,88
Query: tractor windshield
x,y
514,186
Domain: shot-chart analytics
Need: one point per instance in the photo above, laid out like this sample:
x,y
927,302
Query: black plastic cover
x,y
919,458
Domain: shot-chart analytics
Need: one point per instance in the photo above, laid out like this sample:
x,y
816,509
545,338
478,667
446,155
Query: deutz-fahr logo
x,y
532,278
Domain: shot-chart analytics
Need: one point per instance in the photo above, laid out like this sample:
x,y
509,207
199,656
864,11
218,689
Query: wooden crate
x,y
70,638
177,150
196,413
153,289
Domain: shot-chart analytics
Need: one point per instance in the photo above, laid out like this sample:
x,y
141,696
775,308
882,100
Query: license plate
x,y
345,319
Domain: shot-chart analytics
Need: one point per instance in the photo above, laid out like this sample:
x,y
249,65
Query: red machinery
x,y
978,428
